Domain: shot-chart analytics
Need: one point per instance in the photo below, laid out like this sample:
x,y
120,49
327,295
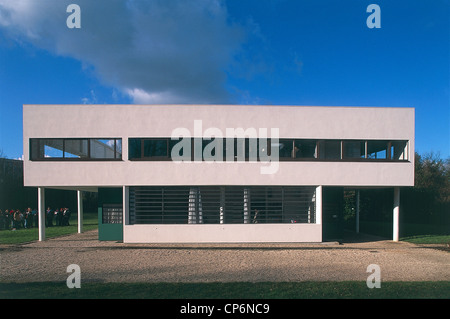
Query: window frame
x,y
88,158
293,158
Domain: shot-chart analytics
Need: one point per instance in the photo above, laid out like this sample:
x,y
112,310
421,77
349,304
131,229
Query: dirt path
x,y
118,262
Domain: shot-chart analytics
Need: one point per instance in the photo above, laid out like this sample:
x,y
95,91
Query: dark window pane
x,y
398,150
156,148
354,149
377,149
134,148
330,150
305,149
36,152
285,148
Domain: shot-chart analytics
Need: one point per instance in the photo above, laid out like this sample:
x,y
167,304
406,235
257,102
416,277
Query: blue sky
x,y
285,52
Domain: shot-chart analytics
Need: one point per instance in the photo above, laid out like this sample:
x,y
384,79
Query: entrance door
x,y
110,214
332,213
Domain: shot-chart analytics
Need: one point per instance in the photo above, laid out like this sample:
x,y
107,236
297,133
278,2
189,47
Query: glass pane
x,y
52,148
76,148
251,149
134,148
354,149
102,148
305,149
377,149
263,148
398,150
155,148
213,149
330,150
119,148
36,151
285,148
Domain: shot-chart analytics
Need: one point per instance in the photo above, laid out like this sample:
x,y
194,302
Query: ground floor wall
x,y
234,233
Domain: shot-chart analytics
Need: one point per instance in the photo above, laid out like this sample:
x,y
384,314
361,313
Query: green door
x,y
110,212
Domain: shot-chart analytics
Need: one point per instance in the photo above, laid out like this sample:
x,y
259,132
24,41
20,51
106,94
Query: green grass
x,y
90,221
237,290
428,239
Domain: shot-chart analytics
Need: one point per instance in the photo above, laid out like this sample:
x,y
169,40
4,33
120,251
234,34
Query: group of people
x,y
14,219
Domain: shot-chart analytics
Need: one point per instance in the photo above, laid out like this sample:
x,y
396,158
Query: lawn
x,y
22,235
428,239
235,290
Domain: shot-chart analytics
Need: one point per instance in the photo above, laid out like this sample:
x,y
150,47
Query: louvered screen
x,y
221,204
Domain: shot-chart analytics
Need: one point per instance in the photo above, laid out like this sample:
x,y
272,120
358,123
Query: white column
x,y
80,211
125,201
357,211
319,205
396,213
41,213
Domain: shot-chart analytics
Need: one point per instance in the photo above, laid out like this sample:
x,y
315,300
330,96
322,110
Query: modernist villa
x,y
217,173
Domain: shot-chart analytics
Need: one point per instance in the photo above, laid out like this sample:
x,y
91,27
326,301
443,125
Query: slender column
x,y
396,213
319,205
80,211
41,213
126,197
357,211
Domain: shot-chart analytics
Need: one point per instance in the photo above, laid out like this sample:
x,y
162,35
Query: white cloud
x,y
155,51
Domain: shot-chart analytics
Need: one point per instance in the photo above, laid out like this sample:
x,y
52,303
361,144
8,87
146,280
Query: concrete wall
x,y
231,233
124,121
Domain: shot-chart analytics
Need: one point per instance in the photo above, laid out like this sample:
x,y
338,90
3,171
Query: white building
x,y
217,173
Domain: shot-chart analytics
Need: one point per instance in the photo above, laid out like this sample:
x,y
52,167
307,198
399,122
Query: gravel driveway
x,y
119,262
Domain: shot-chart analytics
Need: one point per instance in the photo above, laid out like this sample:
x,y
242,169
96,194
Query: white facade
x,y
152,121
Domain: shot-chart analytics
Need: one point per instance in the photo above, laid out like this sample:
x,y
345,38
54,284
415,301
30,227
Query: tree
x,y
432,175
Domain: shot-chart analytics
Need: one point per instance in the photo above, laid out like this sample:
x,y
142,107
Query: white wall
x,y
124,121
229,233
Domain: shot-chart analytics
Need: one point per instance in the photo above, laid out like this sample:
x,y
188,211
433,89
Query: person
x,y
66,217
35,218
59,217
17,219
11,218
7,219
49,216
25,219
29,218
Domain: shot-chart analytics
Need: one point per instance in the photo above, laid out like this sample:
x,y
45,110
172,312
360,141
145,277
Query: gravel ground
x,y
119,262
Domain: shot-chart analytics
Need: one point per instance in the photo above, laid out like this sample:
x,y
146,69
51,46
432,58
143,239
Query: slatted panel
x,y
226,204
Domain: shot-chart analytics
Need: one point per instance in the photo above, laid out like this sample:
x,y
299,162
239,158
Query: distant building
x,y
218,173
